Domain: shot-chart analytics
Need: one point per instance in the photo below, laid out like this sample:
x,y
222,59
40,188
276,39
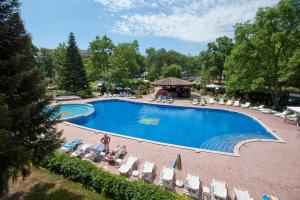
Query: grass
x,y
44,185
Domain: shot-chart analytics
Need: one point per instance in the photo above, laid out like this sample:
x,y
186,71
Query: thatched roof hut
x,y
171,81
176,87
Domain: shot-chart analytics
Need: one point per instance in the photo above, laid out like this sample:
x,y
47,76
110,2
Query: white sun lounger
x,y
282,115
218,190
192,186
291,118
221,101
202,102
246,105
229,103
147,171
167,178
127,167
259,107
267,111
241,194
236,103
211,101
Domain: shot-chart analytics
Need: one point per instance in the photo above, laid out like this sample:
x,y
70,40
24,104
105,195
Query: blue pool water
x,y
67,111
210,129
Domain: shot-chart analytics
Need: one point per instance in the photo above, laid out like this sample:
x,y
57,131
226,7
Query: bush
x,y
84,94
113,186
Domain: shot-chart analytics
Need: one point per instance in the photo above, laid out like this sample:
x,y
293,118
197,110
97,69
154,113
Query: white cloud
x,y
188,20
117,5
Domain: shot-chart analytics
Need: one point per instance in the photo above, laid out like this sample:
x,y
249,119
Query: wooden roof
x,y
171,81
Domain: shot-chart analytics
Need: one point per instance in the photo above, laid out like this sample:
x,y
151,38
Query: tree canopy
x,y
125,62
72,75
173,70
100,50
26,132
265,56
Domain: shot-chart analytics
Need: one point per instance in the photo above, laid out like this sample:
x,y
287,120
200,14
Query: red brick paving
x,y
262,167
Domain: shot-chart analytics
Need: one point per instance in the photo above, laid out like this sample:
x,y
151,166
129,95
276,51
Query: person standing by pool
x,y
105,140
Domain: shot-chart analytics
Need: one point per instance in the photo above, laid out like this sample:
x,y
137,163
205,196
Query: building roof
x,y
171,81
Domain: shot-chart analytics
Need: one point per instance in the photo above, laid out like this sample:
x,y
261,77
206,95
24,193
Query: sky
x,y
182,25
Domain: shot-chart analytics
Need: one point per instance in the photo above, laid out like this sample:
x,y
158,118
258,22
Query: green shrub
x,y
84,94
113,186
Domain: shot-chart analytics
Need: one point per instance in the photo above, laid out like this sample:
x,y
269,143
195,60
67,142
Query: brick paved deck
x,y
262,167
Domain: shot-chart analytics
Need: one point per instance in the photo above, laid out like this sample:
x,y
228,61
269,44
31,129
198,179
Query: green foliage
x,y
173,70
100,50
112,186
45,63
266,54
85,94
212,60
72,75
27,135
125,62
156,59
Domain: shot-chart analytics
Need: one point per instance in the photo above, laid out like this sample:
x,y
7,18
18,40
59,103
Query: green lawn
x,y
44,185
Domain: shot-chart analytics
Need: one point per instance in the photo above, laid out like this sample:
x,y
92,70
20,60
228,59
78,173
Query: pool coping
x,y
236,150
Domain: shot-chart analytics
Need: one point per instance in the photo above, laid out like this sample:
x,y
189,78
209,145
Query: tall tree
x,y
125,62
266,54
72,75
100,50
27,135
219,50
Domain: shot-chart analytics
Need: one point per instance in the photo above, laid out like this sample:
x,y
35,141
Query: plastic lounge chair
x,y
120,151
282,115
192,186
94,154
167,178
229,103
292,118
202,102
147,171
236,103
170,100
81,151
258,107
221,101
71,146
246,105
218,190
241,194
195,101
128,166
211,101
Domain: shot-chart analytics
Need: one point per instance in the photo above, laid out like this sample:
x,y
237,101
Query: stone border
x,y
197,150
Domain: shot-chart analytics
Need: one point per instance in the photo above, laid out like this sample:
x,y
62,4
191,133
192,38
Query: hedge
x,y
95,178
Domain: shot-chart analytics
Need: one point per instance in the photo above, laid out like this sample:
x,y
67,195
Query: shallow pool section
x,y
72,111
201,128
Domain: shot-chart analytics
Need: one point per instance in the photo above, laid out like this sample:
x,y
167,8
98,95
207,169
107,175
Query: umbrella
x,y
119,88
178,164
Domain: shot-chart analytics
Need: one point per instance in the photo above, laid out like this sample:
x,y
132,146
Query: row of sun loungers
x,y
192,185
121,94
162,99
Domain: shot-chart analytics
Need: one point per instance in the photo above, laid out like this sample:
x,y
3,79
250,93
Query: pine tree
x,y
27,135
73,75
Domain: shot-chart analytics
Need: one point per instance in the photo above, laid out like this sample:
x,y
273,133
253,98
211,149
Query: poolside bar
x,y
175,87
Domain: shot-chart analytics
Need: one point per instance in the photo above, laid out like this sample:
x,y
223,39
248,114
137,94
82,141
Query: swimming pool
x,y
71,111
199,128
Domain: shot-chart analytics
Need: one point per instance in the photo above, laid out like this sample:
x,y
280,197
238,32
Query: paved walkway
x,y
262,167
